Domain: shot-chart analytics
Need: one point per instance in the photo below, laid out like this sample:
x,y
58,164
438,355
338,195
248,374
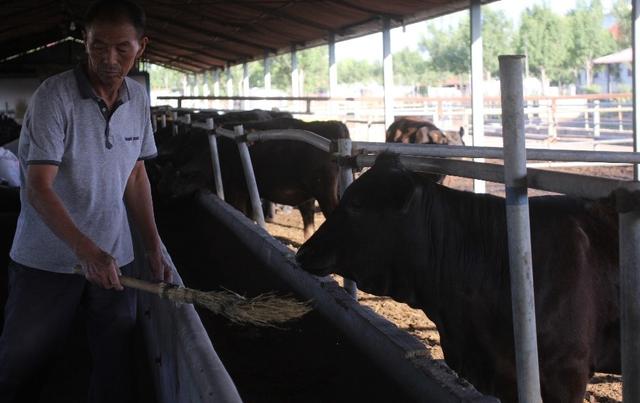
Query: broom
x,y
264,310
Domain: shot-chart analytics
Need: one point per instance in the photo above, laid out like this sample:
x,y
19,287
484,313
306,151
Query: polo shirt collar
x,y
86,91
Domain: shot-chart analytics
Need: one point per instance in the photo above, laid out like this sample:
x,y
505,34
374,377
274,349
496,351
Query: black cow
x,y
287,172
445,251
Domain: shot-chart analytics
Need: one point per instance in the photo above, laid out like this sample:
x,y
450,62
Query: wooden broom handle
x,y
131,282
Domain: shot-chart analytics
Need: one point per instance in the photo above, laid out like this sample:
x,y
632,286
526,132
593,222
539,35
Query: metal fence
x,y
513,174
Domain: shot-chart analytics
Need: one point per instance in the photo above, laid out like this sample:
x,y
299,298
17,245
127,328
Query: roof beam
x,y
179,59
189,58
285,16
213,34
347,4
234,27
189,49
183,38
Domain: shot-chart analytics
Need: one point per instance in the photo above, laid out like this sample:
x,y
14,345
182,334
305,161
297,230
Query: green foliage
x,y
588,38
622,14
449,49
314,63
544,38
351,71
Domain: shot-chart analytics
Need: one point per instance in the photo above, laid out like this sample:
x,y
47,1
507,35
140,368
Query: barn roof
x,y
198,35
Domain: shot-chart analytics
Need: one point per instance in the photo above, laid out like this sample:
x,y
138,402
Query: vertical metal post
x,y
635,12
267,72
333,67
387,72
174,118
630,304
519,234
345,179
163,120
294,72
229,87
477,84
245,84
154,122
215,159
216,83
596,118
250,177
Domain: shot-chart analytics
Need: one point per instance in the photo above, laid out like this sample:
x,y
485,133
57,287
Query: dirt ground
x,y
287,227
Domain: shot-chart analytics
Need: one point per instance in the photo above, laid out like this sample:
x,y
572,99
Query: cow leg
x,y
269,210
307,210
565,384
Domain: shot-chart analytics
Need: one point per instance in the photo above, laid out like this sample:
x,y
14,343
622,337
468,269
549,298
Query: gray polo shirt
x,y
95,150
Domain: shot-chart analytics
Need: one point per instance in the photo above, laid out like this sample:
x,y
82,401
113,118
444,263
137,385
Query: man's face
x,y
112,49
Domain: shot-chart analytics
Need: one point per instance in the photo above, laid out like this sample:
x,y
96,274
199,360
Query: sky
x,y
370,47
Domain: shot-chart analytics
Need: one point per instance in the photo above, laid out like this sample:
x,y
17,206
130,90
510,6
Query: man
x,y
83,141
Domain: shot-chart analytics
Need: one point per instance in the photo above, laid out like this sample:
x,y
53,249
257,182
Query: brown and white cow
x,y
412,130
444,251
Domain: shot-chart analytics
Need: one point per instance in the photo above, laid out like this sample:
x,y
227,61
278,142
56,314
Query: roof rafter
x,y
185,39
213,34
190,49
285,16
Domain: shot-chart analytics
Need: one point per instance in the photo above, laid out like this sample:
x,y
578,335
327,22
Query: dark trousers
x,y
39,314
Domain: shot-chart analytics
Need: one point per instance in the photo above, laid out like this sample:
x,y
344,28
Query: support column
x,y
635,13
245,84
267,72
229,87
216,83
387,72
333,67
477,98
518,230
295,91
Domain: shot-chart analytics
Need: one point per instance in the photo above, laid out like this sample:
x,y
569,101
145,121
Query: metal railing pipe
x,y
154,122
305,136
345,179
574,185
163,120
250,177
215,159
174,118
434,150
518,230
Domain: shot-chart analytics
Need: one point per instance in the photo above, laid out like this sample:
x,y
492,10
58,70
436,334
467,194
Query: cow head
x,y
367,238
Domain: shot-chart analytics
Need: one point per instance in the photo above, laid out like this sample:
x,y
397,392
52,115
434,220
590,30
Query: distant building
x,y
612,73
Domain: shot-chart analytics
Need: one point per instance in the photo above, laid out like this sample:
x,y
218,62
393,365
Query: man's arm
x,y
100,267
137,196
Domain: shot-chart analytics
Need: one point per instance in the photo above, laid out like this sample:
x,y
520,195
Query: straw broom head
x,y
265,310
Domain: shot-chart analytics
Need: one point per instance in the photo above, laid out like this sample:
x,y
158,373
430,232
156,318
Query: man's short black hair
x,y
115,11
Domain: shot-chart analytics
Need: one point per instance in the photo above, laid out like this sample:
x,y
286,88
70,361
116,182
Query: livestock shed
x,y
40,38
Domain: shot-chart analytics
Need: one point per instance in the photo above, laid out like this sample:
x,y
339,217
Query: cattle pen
x,y
517,177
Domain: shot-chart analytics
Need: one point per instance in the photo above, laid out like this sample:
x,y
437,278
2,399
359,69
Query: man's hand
x,y
160,267
99,267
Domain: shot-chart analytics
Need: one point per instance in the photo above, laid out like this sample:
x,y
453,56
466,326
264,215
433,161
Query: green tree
x,y
351,71
314,64
409,67
449,48
589,39
545,40
622,13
